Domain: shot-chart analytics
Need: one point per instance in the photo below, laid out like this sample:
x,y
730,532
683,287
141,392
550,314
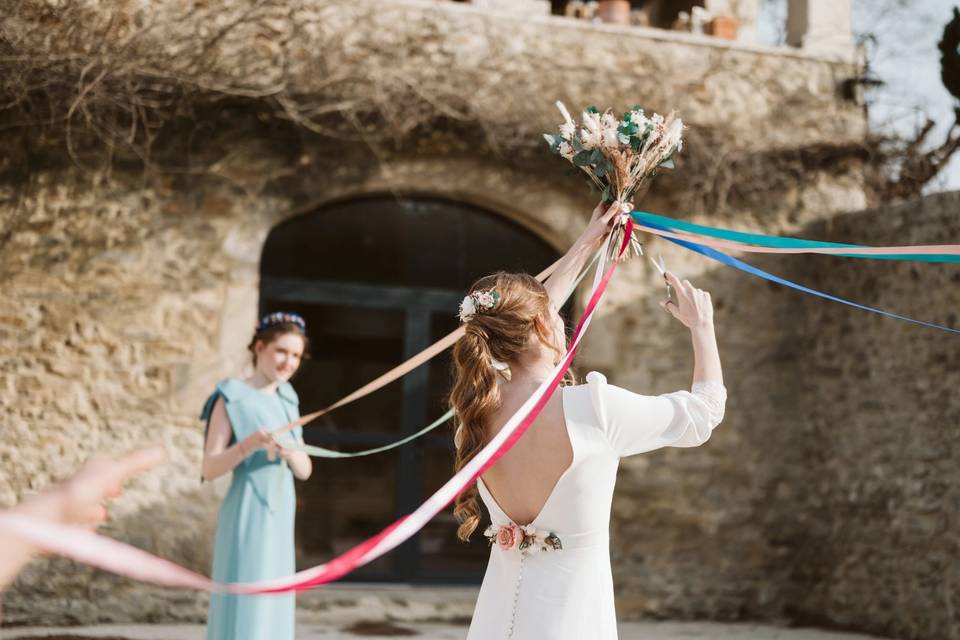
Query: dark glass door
x,y
378,280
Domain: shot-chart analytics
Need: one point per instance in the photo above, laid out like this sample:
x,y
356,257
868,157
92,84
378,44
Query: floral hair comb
x,y
474,303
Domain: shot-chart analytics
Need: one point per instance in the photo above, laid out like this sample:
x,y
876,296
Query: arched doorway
x,y
378,279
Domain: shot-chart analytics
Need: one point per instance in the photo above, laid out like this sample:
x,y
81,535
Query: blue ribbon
x,y
730,261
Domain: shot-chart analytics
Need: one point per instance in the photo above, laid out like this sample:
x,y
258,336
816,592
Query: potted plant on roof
x,y
723,21
614,11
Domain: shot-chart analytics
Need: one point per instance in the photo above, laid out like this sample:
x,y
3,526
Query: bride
x,y
548,577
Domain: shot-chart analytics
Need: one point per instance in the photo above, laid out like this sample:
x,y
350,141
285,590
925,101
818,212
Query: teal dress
x,y
255,529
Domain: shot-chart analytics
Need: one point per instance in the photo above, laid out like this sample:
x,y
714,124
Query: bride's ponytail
x,y
500,321
475,395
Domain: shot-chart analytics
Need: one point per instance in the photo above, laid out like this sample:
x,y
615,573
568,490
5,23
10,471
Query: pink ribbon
x,y
120,558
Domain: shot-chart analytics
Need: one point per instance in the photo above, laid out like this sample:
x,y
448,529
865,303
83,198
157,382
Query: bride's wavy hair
x,y
501,333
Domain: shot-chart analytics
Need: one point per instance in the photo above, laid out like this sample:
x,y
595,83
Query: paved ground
x,y
628,631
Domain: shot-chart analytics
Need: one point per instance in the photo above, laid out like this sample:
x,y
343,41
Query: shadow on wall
x,y
883,501
830,495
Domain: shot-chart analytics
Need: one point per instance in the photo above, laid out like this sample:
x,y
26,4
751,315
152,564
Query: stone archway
x,y
378,278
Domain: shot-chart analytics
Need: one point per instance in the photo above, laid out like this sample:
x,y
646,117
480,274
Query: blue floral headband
x,y
281,317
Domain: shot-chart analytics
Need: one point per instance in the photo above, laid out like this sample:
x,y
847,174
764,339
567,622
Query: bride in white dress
x,y
548,577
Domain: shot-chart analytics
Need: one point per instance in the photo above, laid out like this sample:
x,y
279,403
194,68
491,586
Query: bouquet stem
x,y
619,228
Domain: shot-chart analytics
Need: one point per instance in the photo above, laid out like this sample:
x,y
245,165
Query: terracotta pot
x,y
723,27
614,11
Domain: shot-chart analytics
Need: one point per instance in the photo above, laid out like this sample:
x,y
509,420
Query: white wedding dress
x,y
567,594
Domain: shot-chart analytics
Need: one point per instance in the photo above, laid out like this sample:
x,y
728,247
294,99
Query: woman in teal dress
x,y
255,529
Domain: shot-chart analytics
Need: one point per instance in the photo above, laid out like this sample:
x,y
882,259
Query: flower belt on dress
x,y
527,539
524,538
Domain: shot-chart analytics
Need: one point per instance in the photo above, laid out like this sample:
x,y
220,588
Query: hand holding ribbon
x,y
77,501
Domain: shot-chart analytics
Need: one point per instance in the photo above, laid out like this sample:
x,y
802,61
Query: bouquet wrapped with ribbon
x,y
618,155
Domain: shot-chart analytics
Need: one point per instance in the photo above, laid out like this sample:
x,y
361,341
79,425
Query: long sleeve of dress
x,y
634,423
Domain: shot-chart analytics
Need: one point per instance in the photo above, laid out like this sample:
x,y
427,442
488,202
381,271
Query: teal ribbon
x,y
320,452
780,242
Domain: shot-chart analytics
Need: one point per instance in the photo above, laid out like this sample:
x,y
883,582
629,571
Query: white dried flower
x,y
564,112
568,130
675,134
467,309
673,137
591,121
609,121
590,139
637,118
591,135
611,138
566,150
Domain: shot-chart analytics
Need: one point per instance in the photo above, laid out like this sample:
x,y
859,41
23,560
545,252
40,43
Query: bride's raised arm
x,y
559,283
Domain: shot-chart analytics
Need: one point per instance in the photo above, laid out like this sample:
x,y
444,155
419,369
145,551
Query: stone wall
x,y
830,495
447,76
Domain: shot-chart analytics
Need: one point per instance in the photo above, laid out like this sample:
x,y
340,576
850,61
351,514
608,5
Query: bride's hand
x,y
693,307
601,222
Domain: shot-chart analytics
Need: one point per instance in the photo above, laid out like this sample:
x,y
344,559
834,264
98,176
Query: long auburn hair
x,y
500,333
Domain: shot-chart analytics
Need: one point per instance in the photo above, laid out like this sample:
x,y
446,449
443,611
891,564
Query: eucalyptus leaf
x,y
555,142
582,159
